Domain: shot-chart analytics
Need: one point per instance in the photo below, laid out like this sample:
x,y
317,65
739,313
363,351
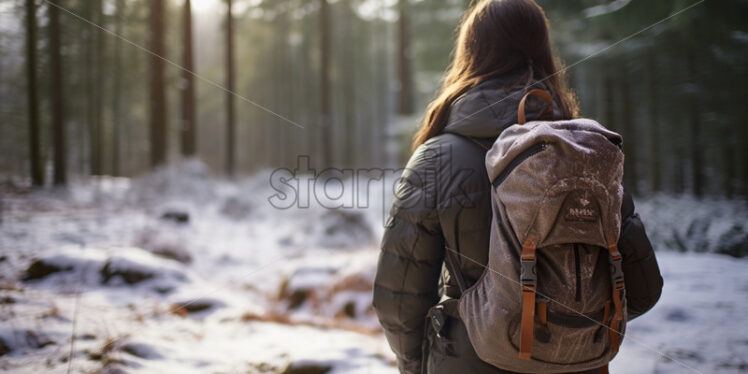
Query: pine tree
x,y
188,125
157,89
37,173
230,129
57,95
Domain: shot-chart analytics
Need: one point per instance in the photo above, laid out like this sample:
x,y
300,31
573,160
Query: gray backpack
x,y
552,299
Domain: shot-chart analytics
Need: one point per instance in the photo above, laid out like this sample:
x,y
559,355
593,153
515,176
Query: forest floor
x,y
179,272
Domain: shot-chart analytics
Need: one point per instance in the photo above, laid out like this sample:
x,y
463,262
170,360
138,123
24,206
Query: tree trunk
x,y
325,119
58,103
37,172
284,93
230,130
158,125
630,175
93,162
350,109
695,133
99,75
93,86
654,125
405,97
116,90
381,133
728,156
188,86
311,136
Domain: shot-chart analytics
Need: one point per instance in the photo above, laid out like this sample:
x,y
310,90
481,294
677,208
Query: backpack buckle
x,y
616,271
528,274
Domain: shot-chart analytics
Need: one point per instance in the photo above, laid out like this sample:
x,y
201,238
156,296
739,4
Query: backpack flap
x,y
546,171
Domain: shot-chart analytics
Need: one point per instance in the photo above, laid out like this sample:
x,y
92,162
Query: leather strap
x,y
528,314
616,274
543,312
528,280
528,249
540,93
604,369
606,312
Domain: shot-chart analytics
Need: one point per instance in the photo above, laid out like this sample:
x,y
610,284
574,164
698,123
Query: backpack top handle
x,y
543,95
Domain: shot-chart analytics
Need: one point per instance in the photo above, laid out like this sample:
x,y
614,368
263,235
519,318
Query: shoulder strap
x,y
478,143
452,262
452,258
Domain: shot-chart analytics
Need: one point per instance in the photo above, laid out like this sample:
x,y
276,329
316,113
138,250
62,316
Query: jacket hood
x,y
487,109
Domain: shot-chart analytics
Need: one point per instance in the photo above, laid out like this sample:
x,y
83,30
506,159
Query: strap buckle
x,y
528,273
616,271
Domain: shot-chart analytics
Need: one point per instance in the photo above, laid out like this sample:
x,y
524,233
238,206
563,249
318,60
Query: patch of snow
x,y
687,224
244,251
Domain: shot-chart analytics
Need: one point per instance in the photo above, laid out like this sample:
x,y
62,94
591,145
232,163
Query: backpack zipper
x,y
524,155
578,266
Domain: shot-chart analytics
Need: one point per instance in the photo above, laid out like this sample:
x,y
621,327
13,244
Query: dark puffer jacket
x,y
444,199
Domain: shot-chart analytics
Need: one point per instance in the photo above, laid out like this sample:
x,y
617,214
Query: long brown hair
x,y
495,37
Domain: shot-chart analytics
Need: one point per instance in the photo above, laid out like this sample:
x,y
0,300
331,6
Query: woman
x,y
444,199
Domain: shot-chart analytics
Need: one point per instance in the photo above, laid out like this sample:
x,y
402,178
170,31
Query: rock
x,y
349,309
141,350
195,306
41,268
4,348
176,216
298,297
172,252
64,265
128,275
307,368
131,266
164,244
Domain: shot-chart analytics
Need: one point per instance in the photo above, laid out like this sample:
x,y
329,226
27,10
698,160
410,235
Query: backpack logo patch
x,y
579,208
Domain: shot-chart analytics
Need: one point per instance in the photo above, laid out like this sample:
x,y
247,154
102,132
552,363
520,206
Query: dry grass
x,y
325,324
105,355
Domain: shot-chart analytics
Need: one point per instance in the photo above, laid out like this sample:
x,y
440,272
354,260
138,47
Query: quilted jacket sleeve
x,y
640,270
410,262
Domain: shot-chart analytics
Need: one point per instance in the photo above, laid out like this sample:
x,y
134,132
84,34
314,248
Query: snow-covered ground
x,y
180,272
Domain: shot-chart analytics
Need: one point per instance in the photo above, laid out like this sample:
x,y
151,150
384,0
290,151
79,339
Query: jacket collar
x,y
487,109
